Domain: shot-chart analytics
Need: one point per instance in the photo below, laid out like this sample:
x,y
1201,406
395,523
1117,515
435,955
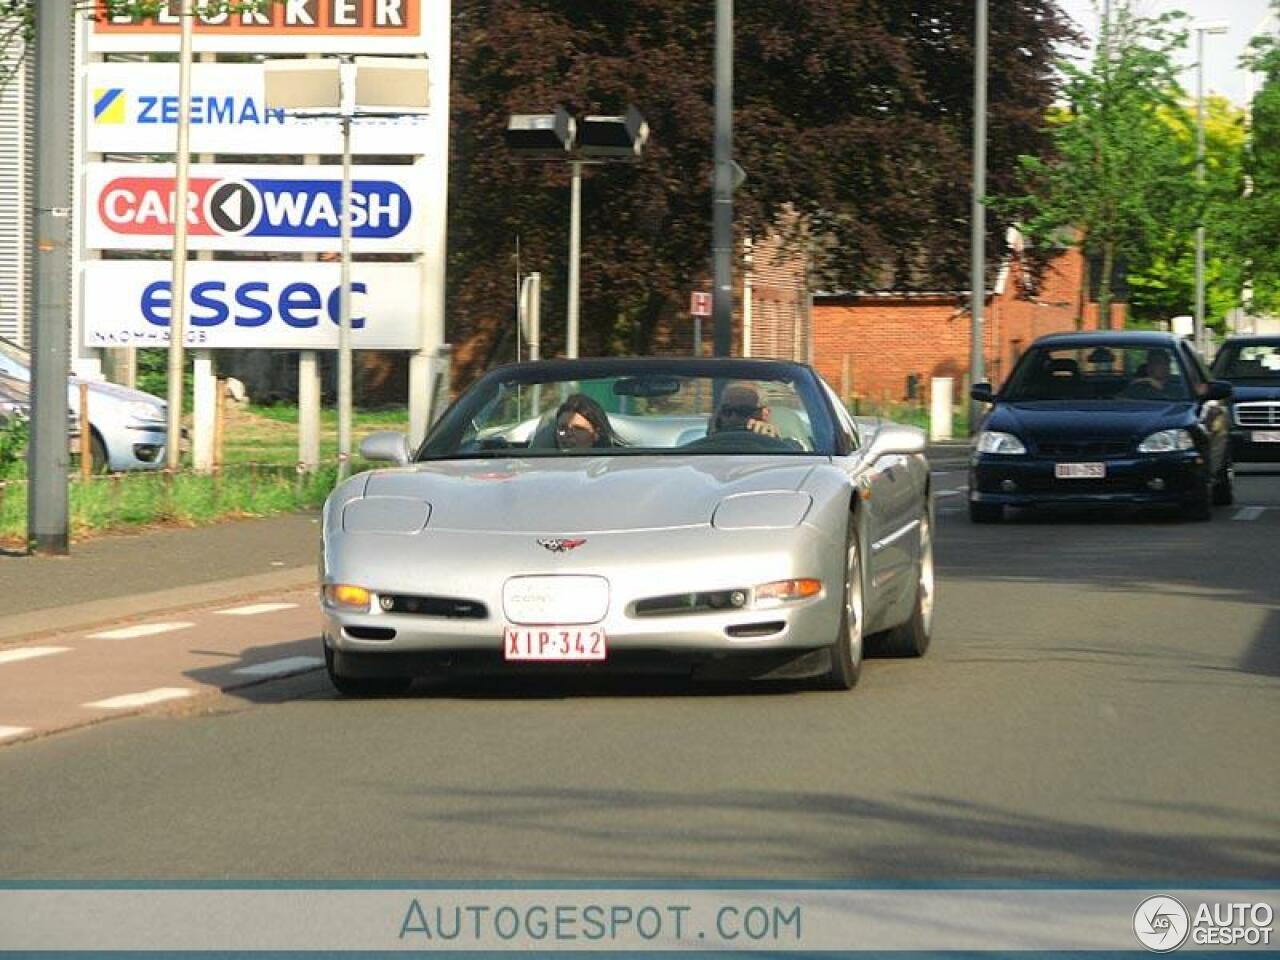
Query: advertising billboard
x,y
254,207
289,26
276,305
133,108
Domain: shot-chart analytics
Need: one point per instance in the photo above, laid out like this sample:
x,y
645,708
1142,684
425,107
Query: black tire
x,y
363,686
98,450
847,648
1224,490
911,639
985,512
1200,507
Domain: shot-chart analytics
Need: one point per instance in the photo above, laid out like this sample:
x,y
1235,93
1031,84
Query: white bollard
x,y
941,397
203,411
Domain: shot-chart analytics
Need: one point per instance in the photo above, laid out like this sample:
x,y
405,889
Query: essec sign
x,y
133,108
247,207
268,305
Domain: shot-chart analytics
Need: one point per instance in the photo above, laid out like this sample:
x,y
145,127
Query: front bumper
x,y
1025,481
141,447
1244,449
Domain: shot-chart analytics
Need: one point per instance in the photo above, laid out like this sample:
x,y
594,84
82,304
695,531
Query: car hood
x,y
104,389
583,494
1244,392
1067,420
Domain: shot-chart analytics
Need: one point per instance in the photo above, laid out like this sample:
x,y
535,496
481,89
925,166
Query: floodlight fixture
x,y
613,137
550,135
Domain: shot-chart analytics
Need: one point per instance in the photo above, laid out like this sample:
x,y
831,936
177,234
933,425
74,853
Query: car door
x,y
1213,414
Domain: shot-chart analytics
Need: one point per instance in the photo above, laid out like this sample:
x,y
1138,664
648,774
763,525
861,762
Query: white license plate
x,y
1266,436
554,643
1080,471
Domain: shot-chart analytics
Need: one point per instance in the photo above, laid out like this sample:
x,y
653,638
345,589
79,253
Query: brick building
x,y
885,347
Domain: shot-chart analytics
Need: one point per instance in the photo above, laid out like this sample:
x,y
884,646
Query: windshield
x,y
1252,361
648,410
1096,372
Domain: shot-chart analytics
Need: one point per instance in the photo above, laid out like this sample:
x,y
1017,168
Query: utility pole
x,y
48,453
722,200
978,226
178,285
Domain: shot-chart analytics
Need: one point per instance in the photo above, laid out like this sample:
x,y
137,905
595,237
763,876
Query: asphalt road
x,y
1100,703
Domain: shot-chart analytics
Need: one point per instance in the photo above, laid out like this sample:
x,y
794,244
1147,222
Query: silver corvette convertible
x,y
714,517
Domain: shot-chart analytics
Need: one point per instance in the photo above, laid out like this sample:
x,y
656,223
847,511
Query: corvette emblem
x,y
560,545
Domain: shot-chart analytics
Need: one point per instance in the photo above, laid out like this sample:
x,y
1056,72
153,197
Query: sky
x,y
1222,74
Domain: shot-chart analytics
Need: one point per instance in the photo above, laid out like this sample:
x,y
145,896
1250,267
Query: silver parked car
x,y
128,427
720,517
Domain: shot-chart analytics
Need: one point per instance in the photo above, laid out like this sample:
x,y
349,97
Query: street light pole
x,y
178,284
722,200
978,224
1201,28
344,301
575,259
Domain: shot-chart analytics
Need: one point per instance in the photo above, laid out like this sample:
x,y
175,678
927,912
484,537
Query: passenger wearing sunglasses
x,y
581,423
742,409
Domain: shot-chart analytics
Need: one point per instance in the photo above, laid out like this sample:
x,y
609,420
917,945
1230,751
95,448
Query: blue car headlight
x,y
993,441
1167,441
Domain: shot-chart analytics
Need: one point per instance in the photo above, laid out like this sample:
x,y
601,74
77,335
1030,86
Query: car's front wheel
x,y
911,639
985,512
362,686
846,649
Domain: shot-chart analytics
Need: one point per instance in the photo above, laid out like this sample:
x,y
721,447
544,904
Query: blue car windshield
x,y
651,411
1097,372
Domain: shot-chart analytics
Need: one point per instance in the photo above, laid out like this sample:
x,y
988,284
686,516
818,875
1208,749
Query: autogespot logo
x,y
1161,924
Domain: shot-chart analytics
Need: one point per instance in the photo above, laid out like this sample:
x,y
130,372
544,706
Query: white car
x,y
128,427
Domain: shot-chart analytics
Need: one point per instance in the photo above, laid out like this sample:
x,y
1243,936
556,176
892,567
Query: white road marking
x,y
1249,513
256,608
144,699
141,630
274,668
8,733
29,653
947,493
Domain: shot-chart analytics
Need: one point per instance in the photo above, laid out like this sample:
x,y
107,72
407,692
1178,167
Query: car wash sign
x,y
133,108
280,26
133,206
269,305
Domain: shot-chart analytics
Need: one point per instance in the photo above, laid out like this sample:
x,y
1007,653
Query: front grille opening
x,y
1258,414
370,633
764,628
450,608
1084,448
677,604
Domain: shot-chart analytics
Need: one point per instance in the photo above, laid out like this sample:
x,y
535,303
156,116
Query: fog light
x,y
1008,486
1156,484
347,597
147,452
738,598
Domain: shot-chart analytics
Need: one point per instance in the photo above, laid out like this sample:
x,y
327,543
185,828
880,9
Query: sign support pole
x,y
178,286
344,301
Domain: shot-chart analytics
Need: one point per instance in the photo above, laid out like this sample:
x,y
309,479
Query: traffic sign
x,y
295,26
273,305
131,206
133,108
699,304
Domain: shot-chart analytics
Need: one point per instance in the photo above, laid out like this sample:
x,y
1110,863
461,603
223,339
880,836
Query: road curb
x,y
36,623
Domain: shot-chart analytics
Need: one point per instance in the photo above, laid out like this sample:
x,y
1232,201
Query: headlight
x,y
347,597
993,441
141,410
1167,441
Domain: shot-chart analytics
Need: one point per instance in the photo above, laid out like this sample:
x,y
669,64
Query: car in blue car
x,y
128,428
1103,417
1252,366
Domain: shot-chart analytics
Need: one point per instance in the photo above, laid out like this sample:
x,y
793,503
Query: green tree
x,y
1118,163
1260,225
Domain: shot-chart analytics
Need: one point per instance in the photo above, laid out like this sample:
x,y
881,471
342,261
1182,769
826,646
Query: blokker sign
x,y
133,108
319,26
247,207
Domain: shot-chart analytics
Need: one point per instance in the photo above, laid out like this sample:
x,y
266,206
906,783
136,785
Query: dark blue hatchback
x,y
1103,418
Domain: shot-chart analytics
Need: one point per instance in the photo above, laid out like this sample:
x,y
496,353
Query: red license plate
x,y
554,643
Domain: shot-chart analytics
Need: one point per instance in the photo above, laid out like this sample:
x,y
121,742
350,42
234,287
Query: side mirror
x,y
1218,390
386,446
982,392
895,439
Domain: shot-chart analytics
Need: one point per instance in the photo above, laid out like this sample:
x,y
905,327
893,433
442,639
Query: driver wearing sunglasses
x,y
742,409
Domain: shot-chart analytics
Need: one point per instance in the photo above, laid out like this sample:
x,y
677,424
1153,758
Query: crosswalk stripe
x,y
141,630
8,733
274,668
1249,513
254,609
144,699
29,653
